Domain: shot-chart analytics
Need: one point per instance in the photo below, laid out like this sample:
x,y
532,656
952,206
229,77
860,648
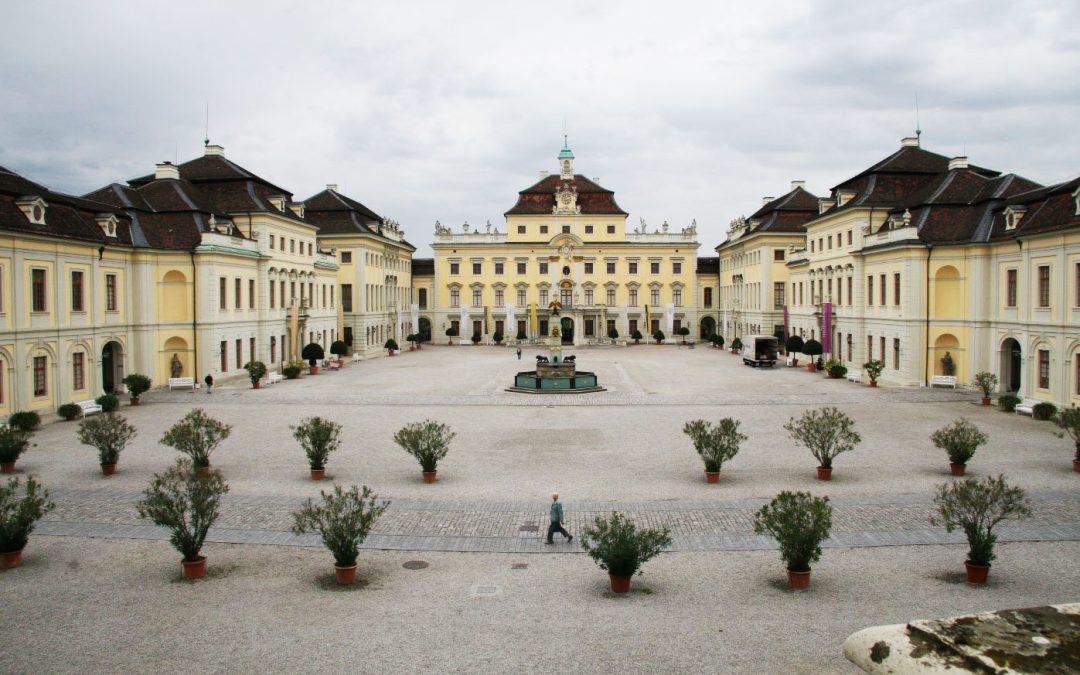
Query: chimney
x,y
958,163
596,179
543,174
166,170
213,149
796,184
332,187
766,200
909,142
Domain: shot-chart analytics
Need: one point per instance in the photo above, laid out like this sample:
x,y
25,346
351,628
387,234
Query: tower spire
x,y
918,130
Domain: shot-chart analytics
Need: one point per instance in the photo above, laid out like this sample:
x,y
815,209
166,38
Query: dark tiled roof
x,y
539,199
786,214
66,217
708,265
1049,209
423,267
215,169
335,213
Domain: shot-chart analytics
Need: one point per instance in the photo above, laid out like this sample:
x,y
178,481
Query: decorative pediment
x,y
566,201
1013,216
33,208
107,222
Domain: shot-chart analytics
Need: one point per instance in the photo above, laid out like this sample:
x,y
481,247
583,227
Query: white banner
x,y
624,322
466,330
511,323
414,315
397,328
725,333
669,318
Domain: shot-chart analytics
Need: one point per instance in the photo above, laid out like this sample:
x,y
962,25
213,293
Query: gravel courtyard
x,y
100,591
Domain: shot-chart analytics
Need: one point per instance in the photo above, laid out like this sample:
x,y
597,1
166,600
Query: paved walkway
x,y
519,527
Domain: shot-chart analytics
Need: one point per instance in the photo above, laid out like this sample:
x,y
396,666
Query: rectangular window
x,y
521,268
271,242
78,371
77,291
543,229
588,229
455,268
611,297
521,229
110,292
850,291
828,294
588,297
224,347
239,354
633,297
543,268
881,343
611,229
778,255
850,340
477,297
610,326
588,268
346,297
1076,300
223,301
237,300
610,267
654,268
839,291
251,349
707,300
632,267
292,246
37,277
676,267
499,297
498,268
455,297
869,348
543,297
896,289
1044,369
849,237
346,257
778,294
283,294
251,294
896,353
811,245
1044,285
676,297
869,290
272,294
476,267
41,380
521,297
632,326
830,242
654,296
881,284
566,229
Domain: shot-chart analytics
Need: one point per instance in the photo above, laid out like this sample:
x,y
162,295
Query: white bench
x,y
943,381
273,376
854,375
790,360
1026,406
89,407
182,383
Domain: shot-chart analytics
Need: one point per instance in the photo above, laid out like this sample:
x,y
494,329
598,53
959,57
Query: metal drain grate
x,y
529,528
415,565
486,590
520,566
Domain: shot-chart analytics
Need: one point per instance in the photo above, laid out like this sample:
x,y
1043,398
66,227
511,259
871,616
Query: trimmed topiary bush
x,y
312,353
339,348
1008,402
108,402
812,348
25,420
793,345
1043,411
69,411
136,385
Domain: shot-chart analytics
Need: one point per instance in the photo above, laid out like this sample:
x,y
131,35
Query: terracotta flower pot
x,y
430,476
873,383
794,363
318,474
196,569
798,580
108,469
824,473
345,575
10,560
956,468
135,401
986,400
712,476
256,384
7,467
313,370
1076,465
202,470
976,574
619,584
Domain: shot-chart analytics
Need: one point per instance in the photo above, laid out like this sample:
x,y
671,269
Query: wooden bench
x,y
1026,406
182,383
943,381
273,376
854,375
88,407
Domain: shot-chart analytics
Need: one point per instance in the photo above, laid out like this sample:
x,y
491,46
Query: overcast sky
x,y
430,111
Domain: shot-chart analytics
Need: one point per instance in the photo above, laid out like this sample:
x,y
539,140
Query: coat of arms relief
x,y
566,201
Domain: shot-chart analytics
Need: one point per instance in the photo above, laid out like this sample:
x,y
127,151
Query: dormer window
x,y
1013,216
33,208
107,222
297,209
844,196
279,202
1076,198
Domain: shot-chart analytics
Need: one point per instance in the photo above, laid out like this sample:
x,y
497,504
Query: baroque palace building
x,y
565,265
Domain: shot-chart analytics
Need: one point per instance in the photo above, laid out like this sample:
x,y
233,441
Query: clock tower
x,y
566,161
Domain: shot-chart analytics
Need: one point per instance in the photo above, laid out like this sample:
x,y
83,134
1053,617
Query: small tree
x,y
391,345
197,435
497,336
184,502
1008,402
798,522
826,432
619,547
13,442
292,369
69,411
718,340
521,335
20,509
136,385
658,335
613,334
338,348
683,332
110,434
343,520
976,507
108,402
475,337
312,353
812,348
26,420
1068,419
873,369
736,344
427,441
318,437
987,382
636,336
451,332
716,444
255,370
959,439
1043,411
793,345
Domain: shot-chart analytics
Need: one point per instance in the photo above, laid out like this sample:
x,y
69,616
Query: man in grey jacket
x,y
557,521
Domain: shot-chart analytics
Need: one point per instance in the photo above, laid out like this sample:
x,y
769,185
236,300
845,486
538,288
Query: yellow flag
x,y
648,320
532,318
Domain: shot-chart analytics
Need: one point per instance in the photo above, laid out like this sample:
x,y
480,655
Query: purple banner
x,y
826,327
787,334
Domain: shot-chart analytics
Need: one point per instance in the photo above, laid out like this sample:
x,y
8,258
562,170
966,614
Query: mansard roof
x,y
66,216
166,214
423,267
334,213
1047,209
710,265
958,207
539,199
786,214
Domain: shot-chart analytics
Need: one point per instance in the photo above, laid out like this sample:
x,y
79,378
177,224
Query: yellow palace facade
x,y
564,264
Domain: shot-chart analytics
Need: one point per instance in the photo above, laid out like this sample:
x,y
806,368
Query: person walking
x,y
519,353
557,521
209,380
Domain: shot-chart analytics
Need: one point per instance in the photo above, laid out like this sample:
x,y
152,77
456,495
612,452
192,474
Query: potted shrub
x,y
318,437
339,349
837,371
987,382
136,385
976,507
613,335
69,411
411,339
312,353
718,340
736,346
20,509
197,435
186,503
1069,421
428,442
798,522
812,348
497,337
960,440
13,442
1008,402
827,433
521,335
716,444
794,346
390,346
683,332
255,370
621,549
343,520
108,402
475,339
873,369
1043,411
659,336
292,369
109,434
450,335
636,337
26,420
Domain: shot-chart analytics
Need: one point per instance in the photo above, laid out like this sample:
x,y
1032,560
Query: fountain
x,y
555,374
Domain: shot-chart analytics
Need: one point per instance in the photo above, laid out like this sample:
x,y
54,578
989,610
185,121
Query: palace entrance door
x,y
566,329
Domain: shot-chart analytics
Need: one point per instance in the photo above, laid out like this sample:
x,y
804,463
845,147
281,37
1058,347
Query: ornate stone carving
x,y
566,201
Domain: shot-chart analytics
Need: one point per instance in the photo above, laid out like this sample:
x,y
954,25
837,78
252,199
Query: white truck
x,y
760,350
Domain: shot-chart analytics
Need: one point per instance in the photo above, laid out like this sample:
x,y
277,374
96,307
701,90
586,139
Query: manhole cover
x,y
520,566
529,528
415,565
